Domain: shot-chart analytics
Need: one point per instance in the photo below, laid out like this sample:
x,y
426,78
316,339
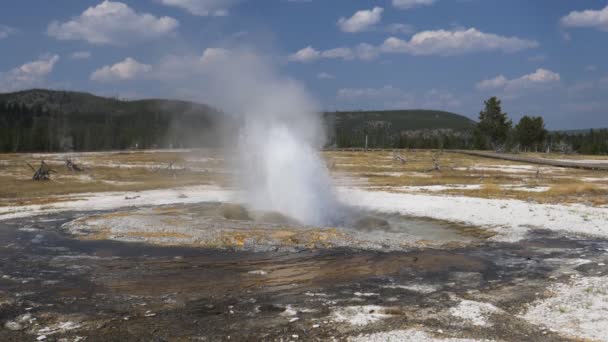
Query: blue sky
x,y
542,57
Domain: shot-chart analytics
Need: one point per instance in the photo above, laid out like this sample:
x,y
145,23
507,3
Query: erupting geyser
x,y
277,162
282,172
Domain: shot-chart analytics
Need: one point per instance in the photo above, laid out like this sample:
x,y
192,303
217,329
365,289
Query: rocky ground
x,y
130,251
58,286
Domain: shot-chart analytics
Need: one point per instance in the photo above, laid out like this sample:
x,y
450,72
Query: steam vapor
x,y
277,164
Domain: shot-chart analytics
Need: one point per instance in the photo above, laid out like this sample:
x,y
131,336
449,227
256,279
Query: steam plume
x,y
280,133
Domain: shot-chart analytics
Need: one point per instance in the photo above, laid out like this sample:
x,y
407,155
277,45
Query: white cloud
x,y
211,55
492,83
325,76
307,54
341,52
361,21
541,77
440,42
172,68
126,70
112,23
28,75
81,55
597,19
407,4
203,7
6,31
457,42
366,52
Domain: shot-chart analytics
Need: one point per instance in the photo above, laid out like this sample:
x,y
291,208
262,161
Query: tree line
x,y
111,125
38,129
496,131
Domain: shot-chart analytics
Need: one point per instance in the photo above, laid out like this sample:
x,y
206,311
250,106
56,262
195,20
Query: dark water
x,y
134,292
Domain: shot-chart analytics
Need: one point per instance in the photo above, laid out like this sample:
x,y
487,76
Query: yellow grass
x,y
137,171
103,172
497,178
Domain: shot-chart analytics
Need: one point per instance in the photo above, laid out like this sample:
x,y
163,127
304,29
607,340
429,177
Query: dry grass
x,y
496,178
137,171
103,172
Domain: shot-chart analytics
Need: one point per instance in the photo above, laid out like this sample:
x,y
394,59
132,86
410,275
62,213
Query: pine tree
x,y
494,125
531,132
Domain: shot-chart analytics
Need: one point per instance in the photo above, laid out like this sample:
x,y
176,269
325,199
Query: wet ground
x,y
56,287
229,226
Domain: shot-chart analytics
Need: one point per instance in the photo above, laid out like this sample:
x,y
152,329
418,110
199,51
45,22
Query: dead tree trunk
x,y
73,166
436,165
43,173
397,156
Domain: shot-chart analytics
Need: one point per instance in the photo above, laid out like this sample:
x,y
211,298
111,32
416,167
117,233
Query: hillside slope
x,y
399,128
48,120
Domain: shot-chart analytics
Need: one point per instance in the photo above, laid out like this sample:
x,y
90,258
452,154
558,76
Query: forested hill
x,y
400,128
47,120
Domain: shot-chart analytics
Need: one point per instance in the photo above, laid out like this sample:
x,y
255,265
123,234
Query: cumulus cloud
x,y
407,4
597,19
366,52
169,69
112,23
212,55
361,21
309,54
28,75
126,70
6,31
457,42
440,42
81,55
203,7
341,52
541,77
492,83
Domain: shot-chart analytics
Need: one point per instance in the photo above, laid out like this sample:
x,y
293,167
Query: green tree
x,y
531,132
493,128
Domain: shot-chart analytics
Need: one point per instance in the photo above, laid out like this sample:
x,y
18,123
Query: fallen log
x,y
73,166
398,157
43,173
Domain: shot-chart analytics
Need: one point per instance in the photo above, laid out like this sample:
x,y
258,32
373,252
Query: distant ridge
x,y
578,131
52,120
410,119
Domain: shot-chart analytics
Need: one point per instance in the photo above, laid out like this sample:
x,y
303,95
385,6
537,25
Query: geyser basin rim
x,y
206,225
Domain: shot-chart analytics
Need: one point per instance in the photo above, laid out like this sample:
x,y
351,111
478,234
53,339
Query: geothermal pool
x,y
75,275
232,226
